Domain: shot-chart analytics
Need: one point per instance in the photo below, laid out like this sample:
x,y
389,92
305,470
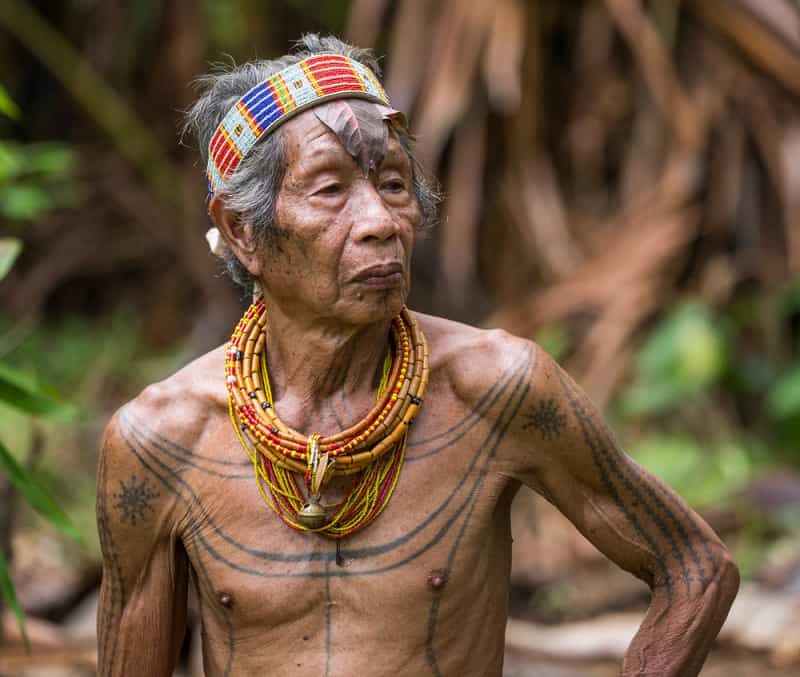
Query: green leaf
x,y
7,105
9,595
35,495
18,390
12,161
652,398
687,346
10,247
24,201
703,474
53,160
685,354
783,399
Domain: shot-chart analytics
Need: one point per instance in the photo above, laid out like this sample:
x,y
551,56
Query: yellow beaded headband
x,y
270,103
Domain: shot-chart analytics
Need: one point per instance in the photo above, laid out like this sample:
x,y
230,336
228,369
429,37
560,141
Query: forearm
x,y
679,630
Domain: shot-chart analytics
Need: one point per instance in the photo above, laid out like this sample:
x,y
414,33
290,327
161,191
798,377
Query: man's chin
x,y
378,305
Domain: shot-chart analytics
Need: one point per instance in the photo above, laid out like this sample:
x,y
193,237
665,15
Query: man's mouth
x,y
381,276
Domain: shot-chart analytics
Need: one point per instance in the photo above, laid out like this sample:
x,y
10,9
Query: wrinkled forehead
x,y
365,130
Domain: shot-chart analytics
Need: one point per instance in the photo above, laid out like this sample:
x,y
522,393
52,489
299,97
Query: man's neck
x,y
314,362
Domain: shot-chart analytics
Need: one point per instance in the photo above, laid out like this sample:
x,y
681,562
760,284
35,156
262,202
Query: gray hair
x,y
252,191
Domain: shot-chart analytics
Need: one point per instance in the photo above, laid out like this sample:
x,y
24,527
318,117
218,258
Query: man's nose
x,y
372,217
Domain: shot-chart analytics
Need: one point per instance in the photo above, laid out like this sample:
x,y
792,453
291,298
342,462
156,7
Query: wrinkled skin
x,y
423,590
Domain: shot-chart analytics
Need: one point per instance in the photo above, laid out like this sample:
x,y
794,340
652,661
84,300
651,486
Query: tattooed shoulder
x,y
474,361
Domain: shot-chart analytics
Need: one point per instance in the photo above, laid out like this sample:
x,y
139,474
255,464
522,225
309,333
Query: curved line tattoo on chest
x,y
154,452
448,437
142,443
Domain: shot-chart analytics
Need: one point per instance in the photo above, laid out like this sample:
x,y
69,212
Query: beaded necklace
x,y
371,451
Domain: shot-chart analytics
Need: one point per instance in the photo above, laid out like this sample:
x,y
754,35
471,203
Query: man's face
x,y
343,250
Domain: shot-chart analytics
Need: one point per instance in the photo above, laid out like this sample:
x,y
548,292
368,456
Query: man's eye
x,y
330,189
393,185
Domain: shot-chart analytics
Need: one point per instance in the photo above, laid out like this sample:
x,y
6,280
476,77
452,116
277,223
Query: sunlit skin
x,y
423,590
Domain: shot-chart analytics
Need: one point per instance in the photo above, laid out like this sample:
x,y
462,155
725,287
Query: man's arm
x,y
564,450
142,611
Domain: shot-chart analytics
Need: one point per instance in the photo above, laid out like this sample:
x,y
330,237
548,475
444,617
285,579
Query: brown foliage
x,y
602,158
599,159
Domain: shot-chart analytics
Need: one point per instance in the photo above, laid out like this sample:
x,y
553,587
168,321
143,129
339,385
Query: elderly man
x,y
280,476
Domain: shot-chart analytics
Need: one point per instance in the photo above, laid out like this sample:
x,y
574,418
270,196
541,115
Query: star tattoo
x,y
133,500
547,418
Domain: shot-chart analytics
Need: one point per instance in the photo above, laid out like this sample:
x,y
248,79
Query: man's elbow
x,y
727,576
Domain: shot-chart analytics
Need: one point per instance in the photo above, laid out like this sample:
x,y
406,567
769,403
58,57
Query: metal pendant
x,y
313,515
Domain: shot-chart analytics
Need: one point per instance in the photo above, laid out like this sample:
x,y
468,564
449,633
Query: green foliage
x,y
34,179
9,594
227,24
752,541
10,247
683,356
78,356
7,105
780,396
22,392
19,394
36,496
784,395
704,474
90,360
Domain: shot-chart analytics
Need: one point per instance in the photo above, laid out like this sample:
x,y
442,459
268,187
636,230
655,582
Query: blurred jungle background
x,y
622,184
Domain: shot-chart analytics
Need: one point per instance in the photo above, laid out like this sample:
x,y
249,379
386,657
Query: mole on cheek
x,y
437,579
226,600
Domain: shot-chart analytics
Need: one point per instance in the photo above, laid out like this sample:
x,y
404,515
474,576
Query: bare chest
x,y
442,543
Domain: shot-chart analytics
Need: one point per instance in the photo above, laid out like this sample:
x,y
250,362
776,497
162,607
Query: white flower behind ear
x,y
215,242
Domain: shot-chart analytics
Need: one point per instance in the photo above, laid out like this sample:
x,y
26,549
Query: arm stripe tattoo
x,y
112,610
606,467
659,511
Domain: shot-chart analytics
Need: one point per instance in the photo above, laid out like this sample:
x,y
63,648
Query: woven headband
x,y
283,95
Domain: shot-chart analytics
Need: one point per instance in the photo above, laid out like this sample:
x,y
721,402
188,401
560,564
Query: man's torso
x,y
423,590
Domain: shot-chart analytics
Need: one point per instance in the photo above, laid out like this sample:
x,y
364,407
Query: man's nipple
x,y
437,579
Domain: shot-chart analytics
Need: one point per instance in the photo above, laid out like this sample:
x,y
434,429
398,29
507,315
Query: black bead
x,y
265,405
274,431
243,427
415,400
252,394
239,355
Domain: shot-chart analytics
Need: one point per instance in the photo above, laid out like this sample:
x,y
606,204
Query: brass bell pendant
x,y
313,515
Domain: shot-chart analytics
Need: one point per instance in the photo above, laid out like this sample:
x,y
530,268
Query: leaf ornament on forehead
x,y
360,127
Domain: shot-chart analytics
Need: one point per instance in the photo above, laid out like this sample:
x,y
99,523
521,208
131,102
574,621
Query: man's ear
x,y
238,234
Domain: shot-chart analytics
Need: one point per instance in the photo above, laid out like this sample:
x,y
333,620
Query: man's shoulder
x,y
177,409
472,359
